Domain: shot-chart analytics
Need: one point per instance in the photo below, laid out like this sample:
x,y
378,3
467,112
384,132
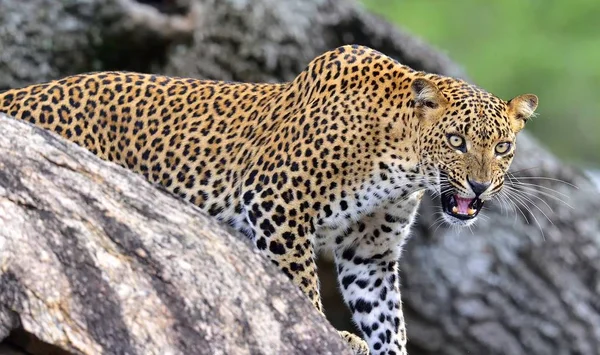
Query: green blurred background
x,y
547,47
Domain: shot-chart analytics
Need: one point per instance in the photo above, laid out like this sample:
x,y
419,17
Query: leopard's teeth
x,y
454,209
471,211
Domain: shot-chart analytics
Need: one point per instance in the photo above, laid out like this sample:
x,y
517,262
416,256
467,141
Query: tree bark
x,y
508,286
94,259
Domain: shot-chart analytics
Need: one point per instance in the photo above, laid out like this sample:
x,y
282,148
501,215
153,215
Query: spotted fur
x,y
337,159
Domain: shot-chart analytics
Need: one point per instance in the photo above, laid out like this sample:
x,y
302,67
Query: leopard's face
x,y
468,137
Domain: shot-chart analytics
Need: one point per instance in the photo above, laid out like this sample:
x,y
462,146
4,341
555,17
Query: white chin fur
x,y
458,222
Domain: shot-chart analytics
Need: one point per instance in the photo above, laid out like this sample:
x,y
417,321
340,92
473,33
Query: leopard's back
x,y
191,136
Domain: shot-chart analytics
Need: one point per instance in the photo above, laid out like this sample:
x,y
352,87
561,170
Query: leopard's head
x,y
467,136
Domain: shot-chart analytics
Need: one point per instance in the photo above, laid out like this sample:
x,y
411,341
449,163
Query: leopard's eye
x,y
502,148
457,142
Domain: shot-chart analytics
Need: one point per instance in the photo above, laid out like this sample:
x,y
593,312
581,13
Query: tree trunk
x,y
94,259
508,286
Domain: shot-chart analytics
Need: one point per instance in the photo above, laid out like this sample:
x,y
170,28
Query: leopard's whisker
x,y
544,178
536,186
527,199
533,192
526,193
524,205
517,208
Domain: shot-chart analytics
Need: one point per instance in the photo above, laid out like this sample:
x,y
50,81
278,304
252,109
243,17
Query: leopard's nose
x,y
478,187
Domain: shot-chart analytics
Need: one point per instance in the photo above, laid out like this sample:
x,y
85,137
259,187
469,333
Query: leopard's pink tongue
x,y
462,204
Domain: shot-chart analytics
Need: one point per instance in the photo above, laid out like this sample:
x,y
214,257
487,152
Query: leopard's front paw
x,y
357,345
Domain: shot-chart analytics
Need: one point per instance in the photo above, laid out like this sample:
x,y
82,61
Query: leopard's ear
x,y
520,109
427,97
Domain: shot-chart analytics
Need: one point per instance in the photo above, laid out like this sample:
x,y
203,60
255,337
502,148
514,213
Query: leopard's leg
x,y
367,265
292,250
370,287
357,344
286,239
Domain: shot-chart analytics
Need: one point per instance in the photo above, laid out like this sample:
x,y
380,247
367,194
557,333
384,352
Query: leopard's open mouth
x,y
460,207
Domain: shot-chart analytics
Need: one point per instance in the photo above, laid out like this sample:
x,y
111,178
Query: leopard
x,y
334,161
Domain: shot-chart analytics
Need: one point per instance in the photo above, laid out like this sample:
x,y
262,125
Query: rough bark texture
x,y
96,260
501,289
